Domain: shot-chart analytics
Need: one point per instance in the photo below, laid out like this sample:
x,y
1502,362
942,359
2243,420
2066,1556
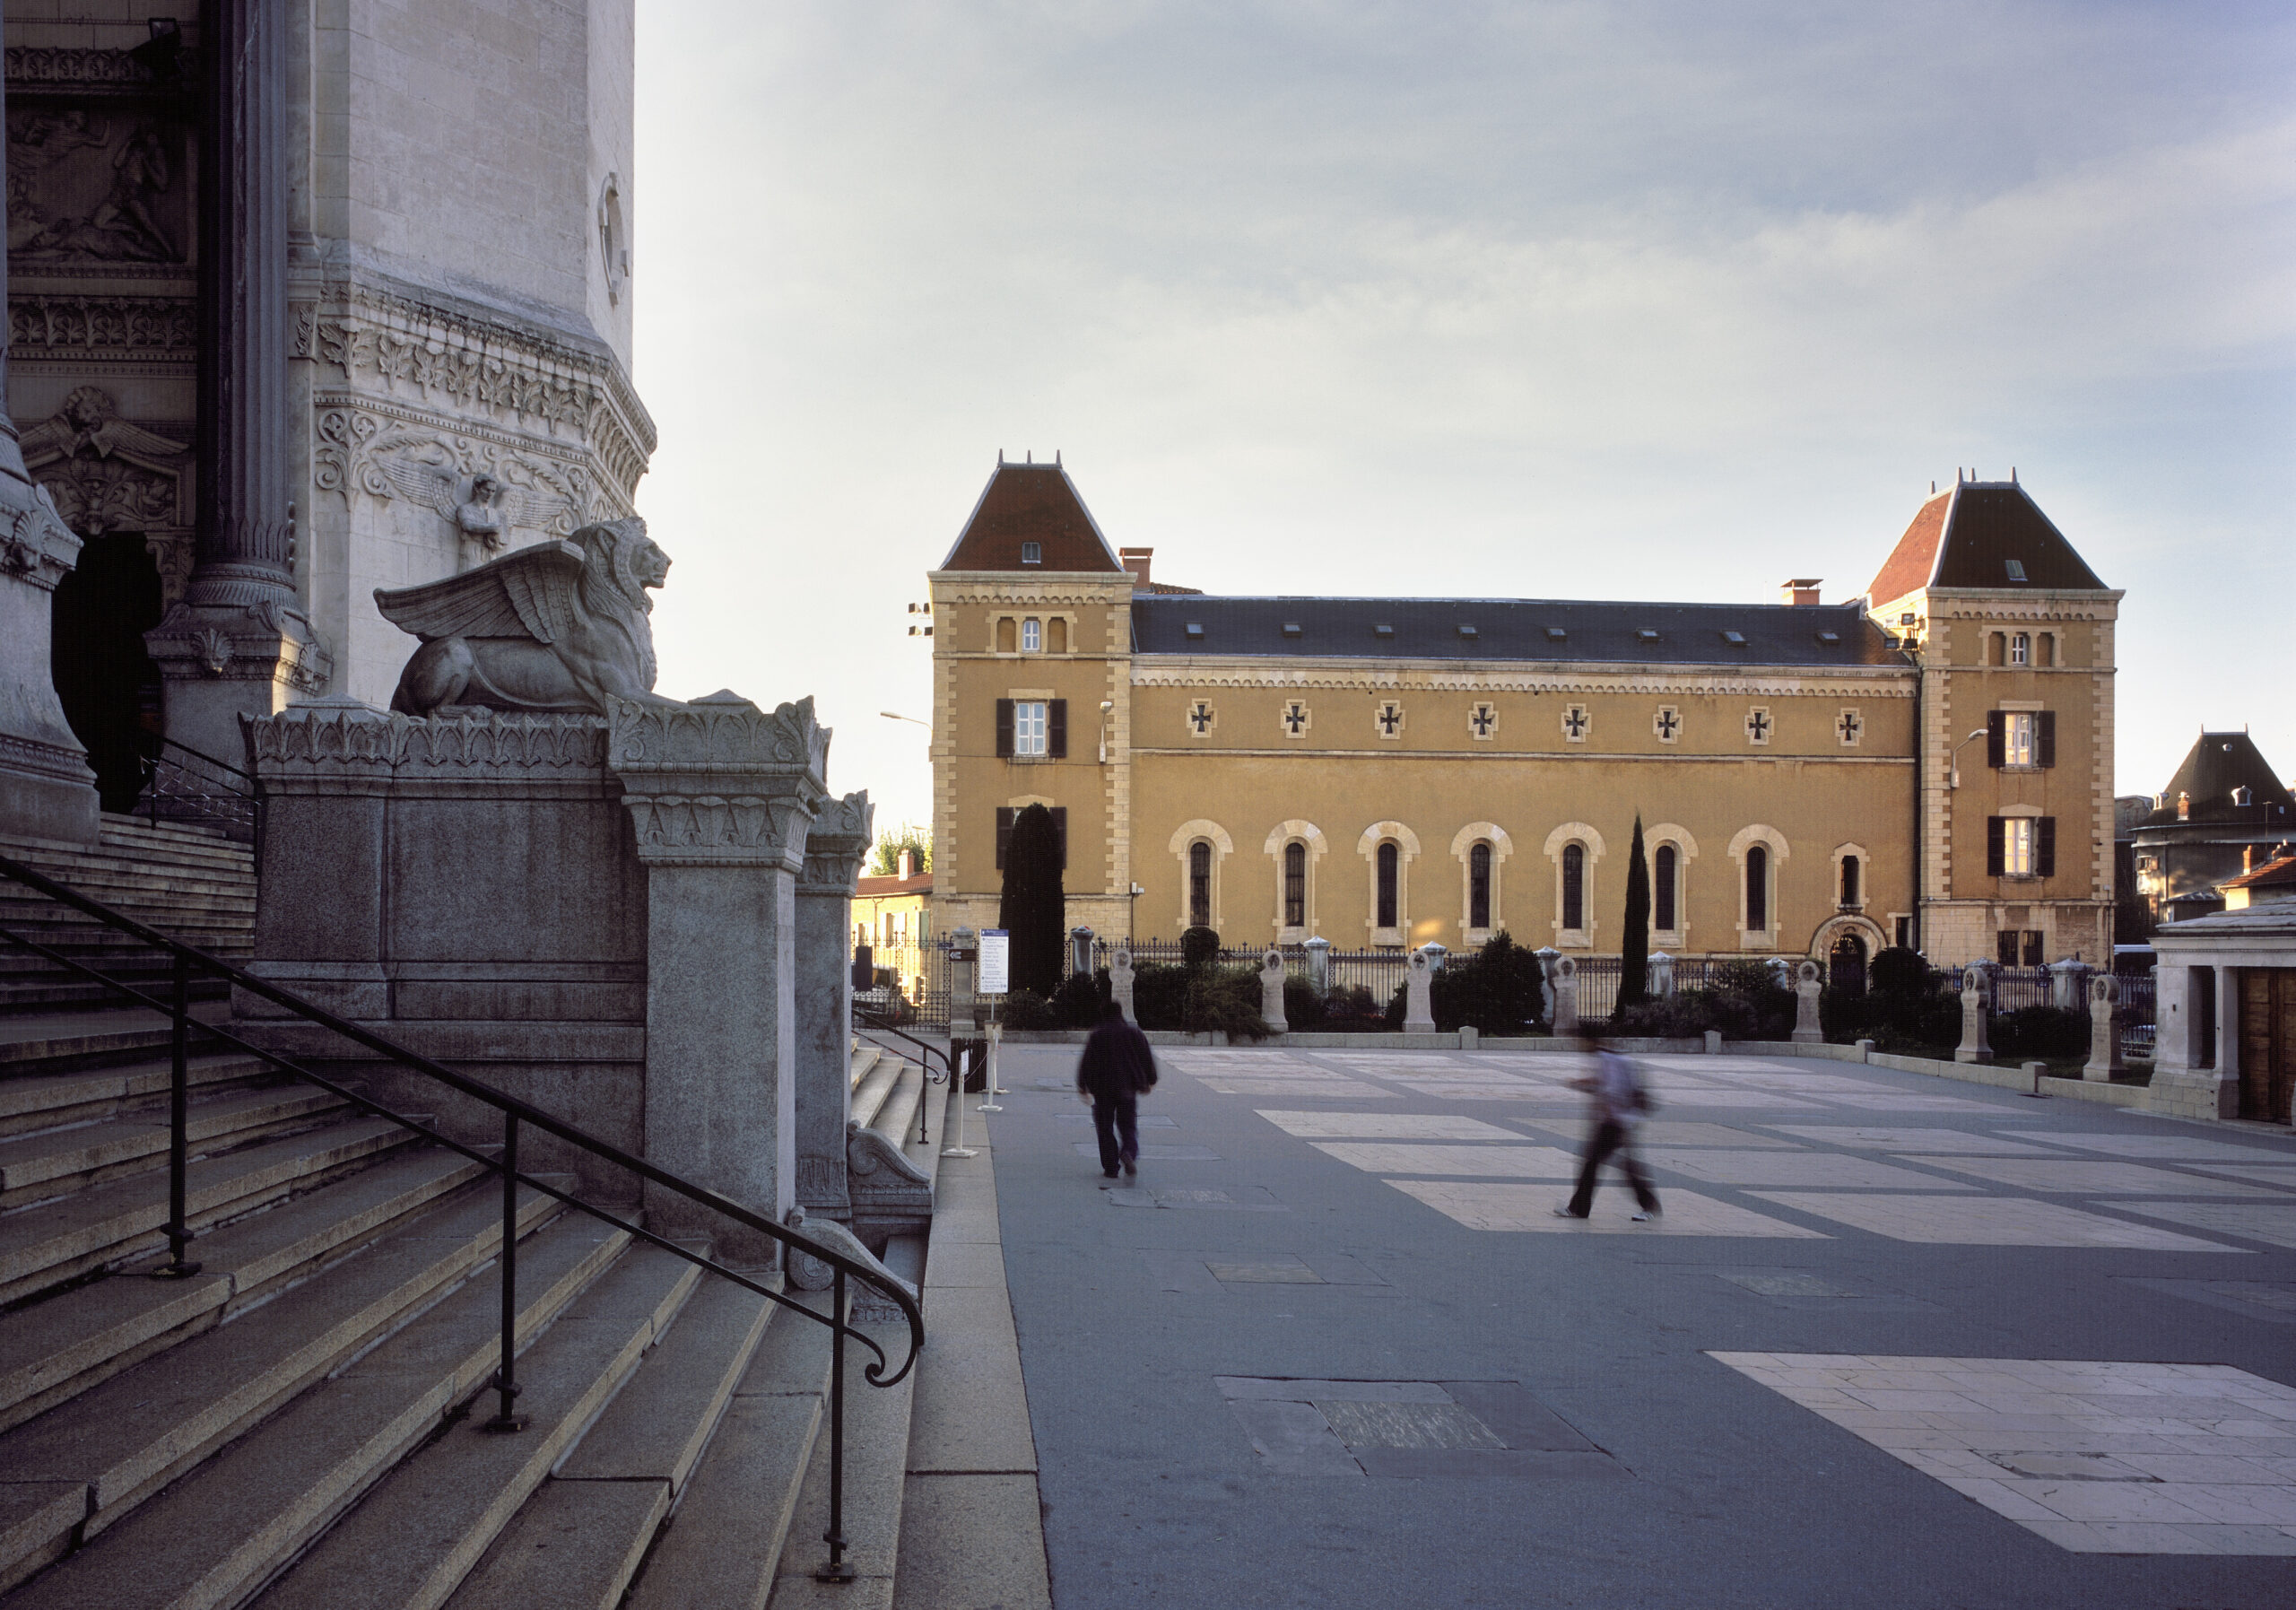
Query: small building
x,y
2222,807
892,918
2227,1002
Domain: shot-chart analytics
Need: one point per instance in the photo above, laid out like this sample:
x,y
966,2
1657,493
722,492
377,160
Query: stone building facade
x,y
1389,773
308,298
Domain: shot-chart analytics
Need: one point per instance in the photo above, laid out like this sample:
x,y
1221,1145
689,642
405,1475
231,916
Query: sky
x,y
1626,301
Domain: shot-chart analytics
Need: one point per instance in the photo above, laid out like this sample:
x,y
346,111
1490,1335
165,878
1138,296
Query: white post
x,y
1120,982
1662,976
989,1093
1319,964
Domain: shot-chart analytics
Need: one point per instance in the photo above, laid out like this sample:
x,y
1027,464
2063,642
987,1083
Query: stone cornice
x,y
837,844
719,782
1876,682
1758,757
328,743
60,326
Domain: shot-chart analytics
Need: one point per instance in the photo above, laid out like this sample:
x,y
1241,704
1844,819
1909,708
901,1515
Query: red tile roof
x,y
1983,535
2271,874
1908,566
880,888
1030,503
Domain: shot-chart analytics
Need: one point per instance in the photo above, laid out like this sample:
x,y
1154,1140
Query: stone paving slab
x,y
1987,1222
1481,1206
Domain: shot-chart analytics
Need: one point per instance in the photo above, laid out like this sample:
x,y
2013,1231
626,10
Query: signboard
x,y
996,961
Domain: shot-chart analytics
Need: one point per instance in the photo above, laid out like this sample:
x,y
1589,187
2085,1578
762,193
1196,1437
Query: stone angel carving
x,y
558,626
493,508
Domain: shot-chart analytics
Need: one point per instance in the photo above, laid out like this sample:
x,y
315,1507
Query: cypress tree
x,y
1634,968
1034,905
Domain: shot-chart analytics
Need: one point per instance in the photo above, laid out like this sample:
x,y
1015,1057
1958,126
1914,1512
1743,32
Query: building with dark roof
x,y
1392,771
2221,810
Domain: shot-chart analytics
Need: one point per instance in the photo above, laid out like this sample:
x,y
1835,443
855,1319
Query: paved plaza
x,y
1893,1341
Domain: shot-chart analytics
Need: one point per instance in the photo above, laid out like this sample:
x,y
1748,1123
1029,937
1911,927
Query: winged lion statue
x,y
558,626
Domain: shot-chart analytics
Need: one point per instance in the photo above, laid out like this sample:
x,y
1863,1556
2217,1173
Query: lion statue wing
x,y
530,593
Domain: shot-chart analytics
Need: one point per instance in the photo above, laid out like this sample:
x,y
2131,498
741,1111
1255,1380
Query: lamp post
x,y
1955,781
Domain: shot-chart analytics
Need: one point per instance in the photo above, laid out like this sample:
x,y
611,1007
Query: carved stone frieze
x,y
59,327
105,473
336,738
837,844
93,186
43,66
719,781
484,492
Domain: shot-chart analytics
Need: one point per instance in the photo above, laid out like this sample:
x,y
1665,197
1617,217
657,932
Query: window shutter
x,y
2045,737
1996,726
1004,814
2045,847
1057,729
1997,856
1004,751
1060,827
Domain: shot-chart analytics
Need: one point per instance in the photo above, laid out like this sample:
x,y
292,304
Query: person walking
x,y
1115,1070
1619,1106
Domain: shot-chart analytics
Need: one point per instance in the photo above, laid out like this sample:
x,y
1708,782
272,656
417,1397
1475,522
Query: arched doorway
x,y
108,686
1845,964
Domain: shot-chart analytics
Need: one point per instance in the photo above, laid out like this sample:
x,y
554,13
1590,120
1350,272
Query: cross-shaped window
x,y
1390,719
1575,723
1199,716
1295,719
1757,725
1668,723
1849,727
1481,720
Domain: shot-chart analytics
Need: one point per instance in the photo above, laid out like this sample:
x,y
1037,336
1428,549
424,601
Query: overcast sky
x,y
1663,300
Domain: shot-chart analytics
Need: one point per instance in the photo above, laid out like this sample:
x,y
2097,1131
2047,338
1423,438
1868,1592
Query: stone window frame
x,y
1018,622
1280,838
1676,939
1189,833
1482,707
1001,628
1584,835
1658,719
1380,725
1307,718
1463,843
1769,728
1406,843
1187,717
1842,852
1779,851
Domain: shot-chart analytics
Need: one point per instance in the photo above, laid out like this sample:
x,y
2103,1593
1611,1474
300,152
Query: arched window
x,y
1007,635
1574,886
2045,649
1849,880
1199,885
1295,885
1056,636
1757,889
1665,866
1390,857
1479,884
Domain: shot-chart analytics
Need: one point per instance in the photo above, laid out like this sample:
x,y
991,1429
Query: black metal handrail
x,y
516,1114
206,792
866,1021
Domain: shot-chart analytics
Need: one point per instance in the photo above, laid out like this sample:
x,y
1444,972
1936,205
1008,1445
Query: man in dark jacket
x,y
1116,1068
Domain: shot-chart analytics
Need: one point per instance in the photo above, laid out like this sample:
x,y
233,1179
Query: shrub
x,y
2037,1033
1900,972
1683,1016
1351,1009
1225,1000
1494,991
1303,1008
1199,947
1159,995
1026,1009
1076,1004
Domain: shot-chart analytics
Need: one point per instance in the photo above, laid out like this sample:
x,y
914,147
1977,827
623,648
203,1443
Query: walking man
x,y
1619,1106
1116,1069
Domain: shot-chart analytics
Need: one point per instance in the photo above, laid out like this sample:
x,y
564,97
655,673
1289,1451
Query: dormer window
x,y
1647,635
1829,638
1908,619
2016,569
1291,629
1467,631
1031,552
2242,796
1555,634
1383,630
1195,631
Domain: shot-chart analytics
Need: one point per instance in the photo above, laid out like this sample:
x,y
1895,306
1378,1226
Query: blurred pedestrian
x,y
1115,1070
1619,1104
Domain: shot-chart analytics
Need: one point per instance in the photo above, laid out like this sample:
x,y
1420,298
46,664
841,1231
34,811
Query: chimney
x,y
1135,559
1800,592
2184,806
908,864
2248,858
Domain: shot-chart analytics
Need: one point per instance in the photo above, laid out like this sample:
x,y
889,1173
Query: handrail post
x,y
839,1569
504,1377
178,1122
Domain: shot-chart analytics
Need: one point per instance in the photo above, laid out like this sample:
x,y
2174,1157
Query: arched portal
x,y
108,686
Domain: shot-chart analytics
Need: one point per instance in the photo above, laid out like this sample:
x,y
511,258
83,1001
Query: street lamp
x,y
1106,705
913,721
1955,780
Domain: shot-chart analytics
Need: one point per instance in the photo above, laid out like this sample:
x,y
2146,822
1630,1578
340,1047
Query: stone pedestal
x,y
835,848
2068,985
1662,976
1548,957
1319,964
1808,986
1271,993
1974,1010
1120,984
1566,995
2104,1027
1080,950
47,790
1418,1011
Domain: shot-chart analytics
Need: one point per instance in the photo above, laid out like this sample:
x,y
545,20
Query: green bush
x,y
1741,999
1199,947
1303,1008
1683,1016
1076,1004
1159,995
1225,1000
1899,972
2038,1034
1494,991
1917,1022
1026,1009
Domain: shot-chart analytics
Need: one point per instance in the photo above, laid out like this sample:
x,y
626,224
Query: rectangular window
x,y
2005,947
2017,745
2034,939
1028,727
2011,847
1905,932
1004,818
2020,649
1031,636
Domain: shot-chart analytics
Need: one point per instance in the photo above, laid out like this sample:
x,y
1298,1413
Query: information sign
x,y
996,961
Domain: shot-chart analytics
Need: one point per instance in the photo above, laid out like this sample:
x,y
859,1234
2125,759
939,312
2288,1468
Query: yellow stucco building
x,y
1931,763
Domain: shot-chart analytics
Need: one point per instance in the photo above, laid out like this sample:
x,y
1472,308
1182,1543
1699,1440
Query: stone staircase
x,y
301,1423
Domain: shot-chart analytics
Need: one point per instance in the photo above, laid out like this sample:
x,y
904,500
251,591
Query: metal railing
x,y
182,785
882,1033
516,1116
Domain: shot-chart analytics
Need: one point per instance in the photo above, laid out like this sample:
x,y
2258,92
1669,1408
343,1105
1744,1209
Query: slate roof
x,y
1982,533
1035,503
2218,763
1513,629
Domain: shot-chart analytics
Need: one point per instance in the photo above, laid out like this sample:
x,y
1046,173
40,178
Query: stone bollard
x,y
1565,998
1974,1010
1120,983
1080,950
1469,1037
1271,993
2035,1072
1547,956
2104,1027
1319,964
1807,987
2068,985
1714,1042
1417,1012
1662,976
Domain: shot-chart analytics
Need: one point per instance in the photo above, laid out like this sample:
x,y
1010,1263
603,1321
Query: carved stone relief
x,y
97,185
74,328
105,473
482,492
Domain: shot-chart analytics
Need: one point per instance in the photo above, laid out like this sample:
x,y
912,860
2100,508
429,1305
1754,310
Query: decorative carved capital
x,y
334,740
836,845
259,639
719,782
36,547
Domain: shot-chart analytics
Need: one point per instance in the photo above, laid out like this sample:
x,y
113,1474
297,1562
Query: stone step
x,y
51,1242
81,1336
49,1162
150,901
897,1115
876,1086
865,1057
214,1536
45,1101
733,1518
579,1539
56,1042
411,1542
67,994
